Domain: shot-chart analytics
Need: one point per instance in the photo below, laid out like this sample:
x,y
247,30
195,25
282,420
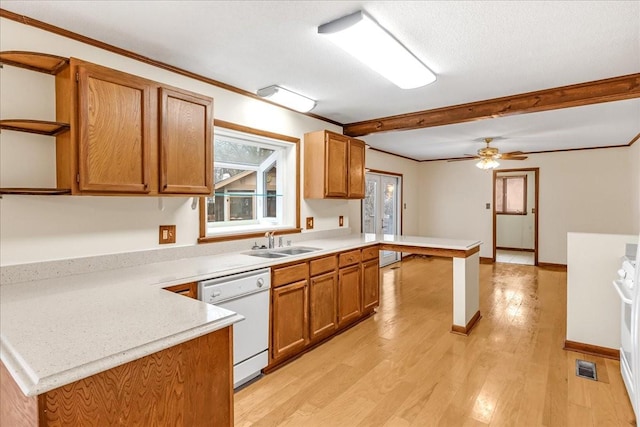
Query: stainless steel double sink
x,y
281,252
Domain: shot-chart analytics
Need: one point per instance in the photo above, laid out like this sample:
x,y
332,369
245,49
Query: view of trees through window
x,y
245,181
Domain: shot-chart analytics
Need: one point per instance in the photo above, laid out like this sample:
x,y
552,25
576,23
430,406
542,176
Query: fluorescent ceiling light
x,y
362,37
287,98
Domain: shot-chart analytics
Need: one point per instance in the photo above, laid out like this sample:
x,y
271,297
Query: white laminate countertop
x,y
57,331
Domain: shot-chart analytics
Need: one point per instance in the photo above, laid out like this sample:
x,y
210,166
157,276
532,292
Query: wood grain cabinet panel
x,y
186,164
370,253
113,131
356,174
187,289
334,166
173,387
289,274
349,295
370,285
289,319
349,258
322,265
322,306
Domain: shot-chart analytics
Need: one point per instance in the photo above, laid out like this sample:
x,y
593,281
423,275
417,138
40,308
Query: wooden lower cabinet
x,y
312,301
289,333
187,289
370,285
322,306
349,295
190,384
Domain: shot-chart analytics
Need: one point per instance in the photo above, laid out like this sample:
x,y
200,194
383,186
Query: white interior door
x,y
380,210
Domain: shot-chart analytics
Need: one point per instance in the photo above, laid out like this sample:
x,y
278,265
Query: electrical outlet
x,y
341,221
167,234
309,222
488,206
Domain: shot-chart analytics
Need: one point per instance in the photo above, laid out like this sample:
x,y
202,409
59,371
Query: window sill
x,y
247,235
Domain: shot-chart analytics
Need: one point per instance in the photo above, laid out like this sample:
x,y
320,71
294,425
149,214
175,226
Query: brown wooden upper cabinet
x,y
185,141
130,135
334,166
114,138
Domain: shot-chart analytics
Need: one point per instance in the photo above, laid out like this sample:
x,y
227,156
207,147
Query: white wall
x,y
580,191
593,305
39,228
517,231
634,161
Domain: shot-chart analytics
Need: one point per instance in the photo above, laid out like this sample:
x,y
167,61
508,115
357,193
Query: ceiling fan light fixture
x,y
287,98
359,35
487,163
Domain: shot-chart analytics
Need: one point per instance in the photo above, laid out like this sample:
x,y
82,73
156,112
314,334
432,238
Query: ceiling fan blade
x,y
515,158
460,159
511,153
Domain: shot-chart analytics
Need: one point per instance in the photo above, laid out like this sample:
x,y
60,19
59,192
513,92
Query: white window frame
x,y
285,159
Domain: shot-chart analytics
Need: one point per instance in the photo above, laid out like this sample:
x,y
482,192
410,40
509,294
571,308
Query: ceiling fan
x,y
488,156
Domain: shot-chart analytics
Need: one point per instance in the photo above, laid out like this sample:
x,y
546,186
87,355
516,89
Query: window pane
x,y
369,207
241,208
515,195
230,151
270,206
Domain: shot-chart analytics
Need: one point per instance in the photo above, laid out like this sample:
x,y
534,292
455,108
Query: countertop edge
x,y
31,388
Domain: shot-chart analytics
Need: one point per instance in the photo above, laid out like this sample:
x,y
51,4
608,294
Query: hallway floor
x,y
514,257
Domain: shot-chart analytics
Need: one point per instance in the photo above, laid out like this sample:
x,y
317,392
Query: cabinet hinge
x,y
77,77
78,178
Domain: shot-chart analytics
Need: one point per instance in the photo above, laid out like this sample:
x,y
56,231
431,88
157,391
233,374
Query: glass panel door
x,y
380,214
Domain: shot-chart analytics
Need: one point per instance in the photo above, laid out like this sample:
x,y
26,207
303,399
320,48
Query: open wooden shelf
x,y
40,127
36,191
35,61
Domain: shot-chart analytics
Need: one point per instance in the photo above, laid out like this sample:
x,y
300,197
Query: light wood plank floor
x,y
402,367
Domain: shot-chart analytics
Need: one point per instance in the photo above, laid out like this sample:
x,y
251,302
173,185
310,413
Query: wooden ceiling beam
x,y
606,90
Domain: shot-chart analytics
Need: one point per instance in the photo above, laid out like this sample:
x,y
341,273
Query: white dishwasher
x,y
246,294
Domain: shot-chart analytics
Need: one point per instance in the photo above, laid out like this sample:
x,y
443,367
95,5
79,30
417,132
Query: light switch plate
x,y
309,222
167,234
341,221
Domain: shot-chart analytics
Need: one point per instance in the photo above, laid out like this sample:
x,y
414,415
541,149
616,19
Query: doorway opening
x,y
381,212
515,215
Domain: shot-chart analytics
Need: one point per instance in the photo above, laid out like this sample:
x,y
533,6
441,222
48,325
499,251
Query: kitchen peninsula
x,y
58,332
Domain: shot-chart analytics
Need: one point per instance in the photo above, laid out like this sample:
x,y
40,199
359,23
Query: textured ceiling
x,y
478,49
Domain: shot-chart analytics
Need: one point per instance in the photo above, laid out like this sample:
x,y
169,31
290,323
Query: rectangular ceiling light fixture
x,y
362,37
287,98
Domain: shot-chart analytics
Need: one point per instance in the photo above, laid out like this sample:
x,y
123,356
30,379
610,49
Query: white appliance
x,y
246,294
627,286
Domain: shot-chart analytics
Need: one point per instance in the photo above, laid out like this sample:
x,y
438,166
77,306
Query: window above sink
x,y
256,185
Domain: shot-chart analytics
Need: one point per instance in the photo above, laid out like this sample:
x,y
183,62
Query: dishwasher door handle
x,y
237,297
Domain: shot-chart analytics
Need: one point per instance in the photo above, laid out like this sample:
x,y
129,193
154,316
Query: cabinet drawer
x,y
322,265
348,258
290,274
370,253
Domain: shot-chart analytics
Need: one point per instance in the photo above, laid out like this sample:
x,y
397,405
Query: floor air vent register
x,y
586,370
